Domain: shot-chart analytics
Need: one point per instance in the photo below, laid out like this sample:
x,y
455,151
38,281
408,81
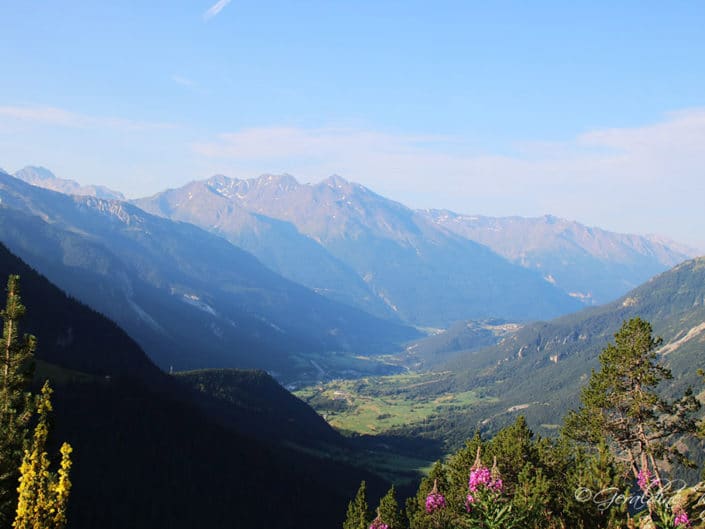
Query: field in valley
x,y
378,405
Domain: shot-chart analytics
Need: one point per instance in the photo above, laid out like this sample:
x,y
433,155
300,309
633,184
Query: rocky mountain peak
x,y
335,181
32,172
285,181
266,184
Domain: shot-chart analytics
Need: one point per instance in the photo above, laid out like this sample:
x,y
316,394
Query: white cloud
x,y
639,179
215,9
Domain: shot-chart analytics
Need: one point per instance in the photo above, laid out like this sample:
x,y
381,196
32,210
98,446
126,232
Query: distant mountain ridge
x,y
43,177
591,264
325,236
375,253
277,243
191,299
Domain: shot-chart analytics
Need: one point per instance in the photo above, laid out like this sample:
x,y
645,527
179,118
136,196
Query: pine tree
x,y
358,515
16,369
620,403
43,494
416,505
590,473
389,510
513,446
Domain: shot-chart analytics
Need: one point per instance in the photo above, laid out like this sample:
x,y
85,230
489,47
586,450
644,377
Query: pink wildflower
x,y
468,502
483,477
435,500
496,485
479,476
644,479
682,519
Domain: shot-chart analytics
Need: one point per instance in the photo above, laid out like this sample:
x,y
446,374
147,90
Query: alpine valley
x,y
174,329
352,265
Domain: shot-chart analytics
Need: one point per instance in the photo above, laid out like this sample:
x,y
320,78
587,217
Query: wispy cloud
x,y
330,143
50,115
642,179
637,179
65,118
215,9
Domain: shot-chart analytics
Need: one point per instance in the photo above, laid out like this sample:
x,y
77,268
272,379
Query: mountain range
x,y
438,268
591,264
435,268
189,298
358,242
328,236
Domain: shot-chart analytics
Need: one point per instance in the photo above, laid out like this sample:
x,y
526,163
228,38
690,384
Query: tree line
x,y
611,467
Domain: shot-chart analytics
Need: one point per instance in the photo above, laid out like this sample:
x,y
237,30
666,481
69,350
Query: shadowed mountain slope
x,y
191,299
140,436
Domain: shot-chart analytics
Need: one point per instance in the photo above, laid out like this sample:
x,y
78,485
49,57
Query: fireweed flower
x,y
435,500
496,485
468,502
681,520
482,476
479,476
644,479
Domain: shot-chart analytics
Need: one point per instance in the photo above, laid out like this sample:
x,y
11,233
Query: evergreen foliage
x,y
516,480
358,515
16,369
389,512
601,473
620,404
43,495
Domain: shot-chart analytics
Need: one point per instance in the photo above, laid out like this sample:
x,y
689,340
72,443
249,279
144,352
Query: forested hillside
x,y
535,371
145,454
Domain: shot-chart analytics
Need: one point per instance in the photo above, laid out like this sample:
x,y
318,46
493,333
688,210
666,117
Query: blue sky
x,y
588,110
